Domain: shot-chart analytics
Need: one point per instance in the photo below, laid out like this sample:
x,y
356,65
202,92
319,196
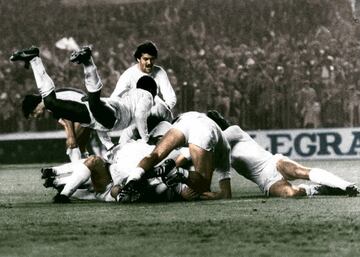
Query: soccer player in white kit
x,y
208,150
145,56
272,173
103,114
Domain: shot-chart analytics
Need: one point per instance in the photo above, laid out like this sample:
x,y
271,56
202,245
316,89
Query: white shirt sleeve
x,y
105,139
142,112
123,84
127,134
166,89
161,110
223,174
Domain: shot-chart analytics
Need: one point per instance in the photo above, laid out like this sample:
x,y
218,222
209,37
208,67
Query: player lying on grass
x,y
103,114
208,150
272,173
98,177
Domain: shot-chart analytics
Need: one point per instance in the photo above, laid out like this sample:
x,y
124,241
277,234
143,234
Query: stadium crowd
x,y
263,64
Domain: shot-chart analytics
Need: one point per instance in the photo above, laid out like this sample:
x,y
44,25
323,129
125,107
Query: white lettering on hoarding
x,y
312,143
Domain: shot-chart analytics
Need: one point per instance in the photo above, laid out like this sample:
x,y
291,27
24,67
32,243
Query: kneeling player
x,y
208,150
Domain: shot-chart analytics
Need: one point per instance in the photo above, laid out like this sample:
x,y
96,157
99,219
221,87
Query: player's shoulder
x,y
130,71
132,67
158,67
158,70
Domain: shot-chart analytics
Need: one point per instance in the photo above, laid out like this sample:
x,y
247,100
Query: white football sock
x,y
80,175
61,180
74,154
44,83
326,178
66,168
92,78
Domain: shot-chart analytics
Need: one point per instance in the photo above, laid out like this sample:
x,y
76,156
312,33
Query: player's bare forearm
x,y
225,188
70,132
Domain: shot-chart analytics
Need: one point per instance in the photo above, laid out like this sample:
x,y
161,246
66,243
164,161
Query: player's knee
x,y
281,164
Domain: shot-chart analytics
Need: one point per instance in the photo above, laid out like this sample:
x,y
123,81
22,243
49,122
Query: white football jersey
x,y
130,77
132,108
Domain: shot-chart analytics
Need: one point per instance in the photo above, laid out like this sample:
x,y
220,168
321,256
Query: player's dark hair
x,y
29,104
218,118
146,48
147,83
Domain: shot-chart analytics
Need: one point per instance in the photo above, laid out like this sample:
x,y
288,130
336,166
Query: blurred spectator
x,y
222,100
309,106
353,106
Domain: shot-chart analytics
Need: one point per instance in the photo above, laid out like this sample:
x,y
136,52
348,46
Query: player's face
x,y
146,63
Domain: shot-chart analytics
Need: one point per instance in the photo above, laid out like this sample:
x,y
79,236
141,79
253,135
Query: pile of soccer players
x,y
158,157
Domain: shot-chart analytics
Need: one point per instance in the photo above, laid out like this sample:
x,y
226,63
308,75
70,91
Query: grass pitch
x,y
247,225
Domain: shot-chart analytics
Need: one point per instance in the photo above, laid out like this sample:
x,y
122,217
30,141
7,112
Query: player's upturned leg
x,y
25,55
92,78
30,55
102,113
44,83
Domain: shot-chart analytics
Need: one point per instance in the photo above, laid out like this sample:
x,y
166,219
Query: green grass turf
x,y
247,225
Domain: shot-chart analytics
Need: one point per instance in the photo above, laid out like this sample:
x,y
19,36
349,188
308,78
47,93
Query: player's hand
x,y
210,196
62,122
